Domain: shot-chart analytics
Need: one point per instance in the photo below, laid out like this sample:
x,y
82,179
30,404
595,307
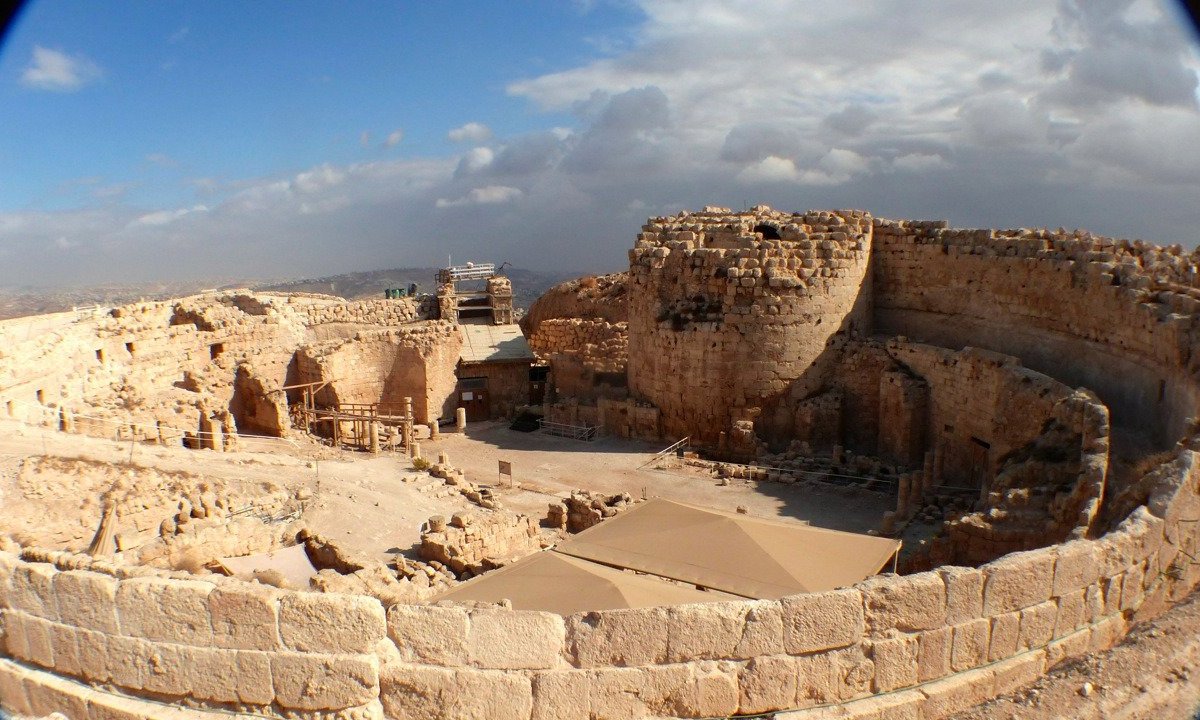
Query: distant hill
x,y
528,285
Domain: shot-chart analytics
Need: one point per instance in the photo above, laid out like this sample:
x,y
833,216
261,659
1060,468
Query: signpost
x,y
505,469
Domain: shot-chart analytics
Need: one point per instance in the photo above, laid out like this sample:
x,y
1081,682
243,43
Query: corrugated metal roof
x,y
493,343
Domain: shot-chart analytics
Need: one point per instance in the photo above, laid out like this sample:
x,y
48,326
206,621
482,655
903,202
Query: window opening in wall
x,y
41,397
1162,390
100,355
769,232
130,347
215,350
9,407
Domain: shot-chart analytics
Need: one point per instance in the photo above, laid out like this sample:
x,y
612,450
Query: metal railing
x,y
666,451
574,432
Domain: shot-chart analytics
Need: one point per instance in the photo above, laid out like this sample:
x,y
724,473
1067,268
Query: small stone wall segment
x,y
583,354
227,646
722,320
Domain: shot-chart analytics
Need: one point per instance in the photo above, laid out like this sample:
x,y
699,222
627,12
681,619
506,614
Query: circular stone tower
x,y
729,310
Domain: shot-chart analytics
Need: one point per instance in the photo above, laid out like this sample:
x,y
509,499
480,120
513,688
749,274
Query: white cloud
x,y
471,132
166,217
393,139
769,169
919,162
489,195
56,70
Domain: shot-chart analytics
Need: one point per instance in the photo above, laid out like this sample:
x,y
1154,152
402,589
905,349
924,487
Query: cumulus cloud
x,y
166,217
50,69
471,132
393,139
988,114
489,195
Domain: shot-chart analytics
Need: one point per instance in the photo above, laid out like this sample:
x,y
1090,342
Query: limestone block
x,y
822,621
330,622
93,655
8,565
956,693
1072,646
933,653
1106,633
324,682
910,603
715,690
37,634
1018,581
428,634
817,679
411,691
640,692
165,609
1018,672
561,695
507,640
964,593
1132,592
130,660
87,600
49,694
762,633
853,672
32,590
969,648
65,649
896,662
1071,611
766,684
245,616
618,637
1005,634
704,631
1037,625
12,634
487,694
1075,568
13,697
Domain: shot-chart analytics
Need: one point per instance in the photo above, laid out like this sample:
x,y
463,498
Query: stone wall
x,y
727,311
389,312
587,358
212,643
1111,315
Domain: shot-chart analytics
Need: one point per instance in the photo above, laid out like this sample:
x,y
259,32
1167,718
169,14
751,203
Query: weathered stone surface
x,y
896,662
821,621
907,604
324,682
969,648
1018,581
766,684
704,632
87,600
956,693
330,623
1037,625
715,690
561,695
413,691
1004,637
964,593
507,640
160,609
245,617
622,638
431,635
32,590
1075,568
665,690
933,654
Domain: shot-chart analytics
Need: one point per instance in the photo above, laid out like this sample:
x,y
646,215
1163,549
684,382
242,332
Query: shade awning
x,y
750,557
557,583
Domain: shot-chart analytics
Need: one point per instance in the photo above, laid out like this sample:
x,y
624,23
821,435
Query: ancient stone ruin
x,y
1025,399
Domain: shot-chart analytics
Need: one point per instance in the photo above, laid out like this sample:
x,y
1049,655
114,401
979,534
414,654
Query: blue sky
x,y
154,141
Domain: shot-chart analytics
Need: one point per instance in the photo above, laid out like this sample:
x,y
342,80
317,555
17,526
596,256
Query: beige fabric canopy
x,y
750,557
562,584
291,562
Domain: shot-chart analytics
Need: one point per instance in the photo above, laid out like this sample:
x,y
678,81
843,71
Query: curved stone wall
x,y
727,310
